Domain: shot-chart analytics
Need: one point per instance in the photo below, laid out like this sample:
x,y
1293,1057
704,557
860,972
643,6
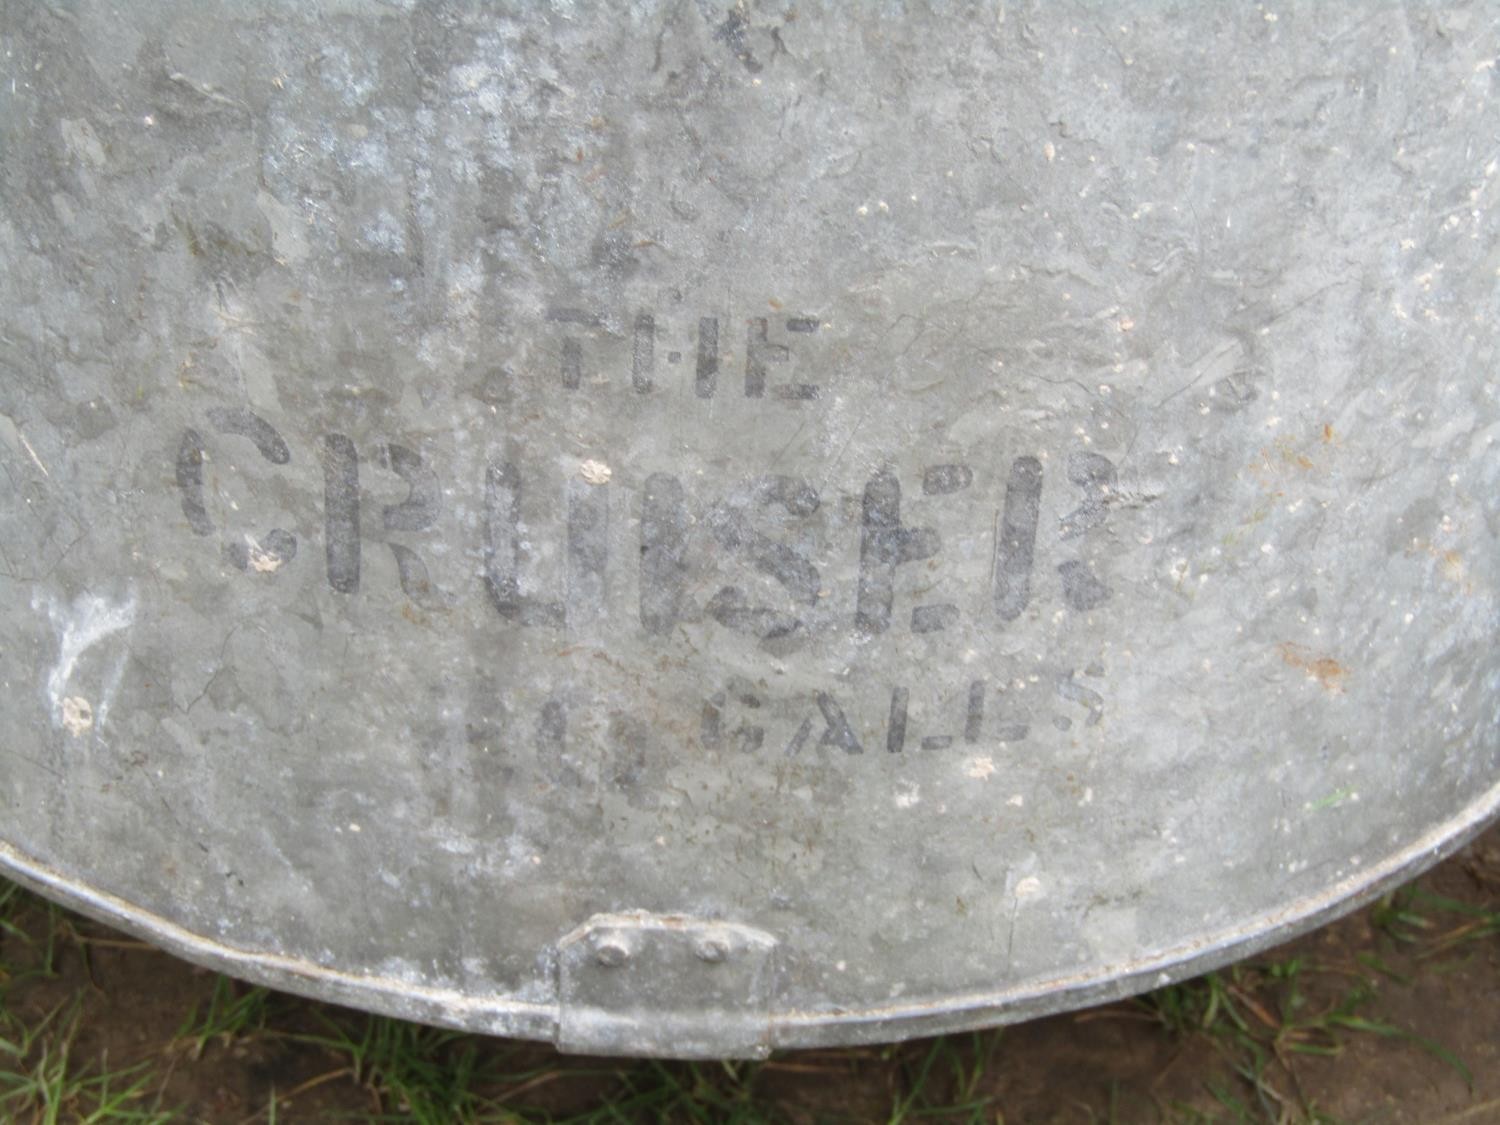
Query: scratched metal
x,y
698,529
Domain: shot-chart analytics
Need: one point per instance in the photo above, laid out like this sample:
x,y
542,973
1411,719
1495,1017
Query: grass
x,y
1255,1030
42,1081
233,1010
1261,1019
1262,1015
45,1078
963,1062
1439,924
412,1072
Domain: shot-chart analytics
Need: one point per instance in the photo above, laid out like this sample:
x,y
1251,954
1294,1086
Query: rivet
x,y
611,953
712,950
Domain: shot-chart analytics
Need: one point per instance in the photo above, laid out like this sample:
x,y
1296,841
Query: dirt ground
x,y
1389,1016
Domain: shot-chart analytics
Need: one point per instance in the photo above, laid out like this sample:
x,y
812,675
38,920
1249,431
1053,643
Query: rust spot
x,y
1325,669
409,612
1328,434
1452,563
1456,572
1279,461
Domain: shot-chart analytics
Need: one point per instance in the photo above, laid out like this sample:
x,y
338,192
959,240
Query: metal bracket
x,y
665,985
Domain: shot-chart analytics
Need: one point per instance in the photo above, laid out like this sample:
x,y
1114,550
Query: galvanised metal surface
x,y
691,529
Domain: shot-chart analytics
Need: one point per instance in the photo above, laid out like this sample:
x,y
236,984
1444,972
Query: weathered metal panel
x,y
983,509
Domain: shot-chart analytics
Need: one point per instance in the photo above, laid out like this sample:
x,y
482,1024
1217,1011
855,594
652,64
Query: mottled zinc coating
x,y
704,527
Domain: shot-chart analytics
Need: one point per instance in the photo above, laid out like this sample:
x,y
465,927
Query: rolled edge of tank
x,y
788,1028
1103,984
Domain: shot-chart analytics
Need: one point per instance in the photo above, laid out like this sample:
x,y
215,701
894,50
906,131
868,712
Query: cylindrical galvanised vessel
x,y
704,527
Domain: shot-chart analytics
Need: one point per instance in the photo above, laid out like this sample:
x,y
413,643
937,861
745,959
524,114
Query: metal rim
x,y
789,1028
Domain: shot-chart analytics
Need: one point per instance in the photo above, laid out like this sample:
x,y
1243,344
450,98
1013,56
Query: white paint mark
x,y
979,768
77,715
908,795
80,626
595,472
1029,887
111,686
